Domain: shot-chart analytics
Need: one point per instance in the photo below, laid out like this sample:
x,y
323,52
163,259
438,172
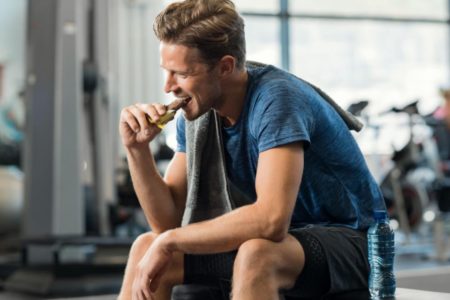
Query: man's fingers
x,y
128,117
139,295
161,108
142,283
154,283
139,284
141,117
146,289
153,113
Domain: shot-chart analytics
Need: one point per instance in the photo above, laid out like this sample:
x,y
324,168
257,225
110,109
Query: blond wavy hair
x,y
214,27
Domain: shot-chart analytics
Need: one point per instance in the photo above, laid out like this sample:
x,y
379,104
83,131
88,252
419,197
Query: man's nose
x,y
170,85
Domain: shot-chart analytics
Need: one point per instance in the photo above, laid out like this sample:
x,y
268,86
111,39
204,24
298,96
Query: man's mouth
x,y
179,103
185,101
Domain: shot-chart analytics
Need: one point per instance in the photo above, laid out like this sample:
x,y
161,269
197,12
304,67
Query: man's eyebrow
x,y
188,71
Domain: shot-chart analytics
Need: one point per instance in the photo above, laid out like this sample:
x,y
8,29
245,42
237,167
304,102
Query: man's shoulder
x,y
281,89
266,73
269,80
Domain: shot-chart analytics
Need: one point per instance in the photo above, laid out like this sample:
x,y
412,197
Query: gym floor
x,y
412,271
416,266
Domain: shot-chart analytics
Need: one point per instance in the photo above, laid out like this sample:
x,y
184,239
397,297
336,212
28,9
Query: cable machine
x,y
68,154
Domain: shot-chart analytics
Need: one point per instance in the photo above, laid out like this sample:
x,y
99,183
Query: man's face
x,y
188,77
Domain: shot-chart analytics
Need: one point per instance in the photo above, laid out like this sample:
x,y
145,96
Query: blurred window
x,y
265,6
430,9
262,37
12,50
389,51
388,63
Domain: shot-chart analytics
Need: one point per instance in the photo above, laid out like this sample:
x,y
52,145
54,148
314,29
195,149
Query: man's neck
x,y
235,90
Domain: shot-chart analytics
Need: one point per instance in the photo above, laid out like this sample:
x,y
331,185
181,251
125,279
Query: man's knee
x,y
255,256
175,272
262,261
143,242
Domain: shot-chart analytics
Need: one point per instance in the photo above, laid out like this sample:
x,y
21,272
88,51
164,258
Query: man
x,y
286,148
442,128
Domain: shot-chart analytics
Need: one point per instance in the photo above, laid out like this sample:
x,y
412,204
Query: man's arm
x,y
161,199
277,185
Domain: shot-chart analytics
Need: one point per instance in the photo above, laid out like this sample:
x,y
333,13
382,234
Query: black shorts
x,y
335,262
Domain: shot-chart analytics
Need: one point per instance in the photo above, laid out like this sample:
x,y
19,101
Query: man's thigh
x,y
275,263
286,258
335,261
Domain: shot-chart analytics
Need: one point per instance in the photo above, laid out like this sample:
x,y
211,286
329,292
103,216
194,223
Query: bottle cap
x,y
380,215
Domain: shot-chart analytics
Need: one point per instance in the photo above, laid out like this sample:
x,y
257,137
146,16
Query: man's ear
x,y
227,64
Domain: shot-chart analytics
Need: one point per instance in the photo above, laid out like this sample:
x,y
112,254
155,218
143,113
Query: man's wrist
x,y
169,240
138,148
138,151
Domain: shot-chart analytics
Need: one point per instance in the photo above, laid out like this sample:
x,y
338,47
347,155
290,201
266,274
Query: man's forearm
x,y
227,232
153,193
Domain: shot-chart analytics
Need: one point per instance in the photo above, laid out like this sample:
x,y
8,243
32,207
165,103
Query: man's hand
x,y
135,129
151,268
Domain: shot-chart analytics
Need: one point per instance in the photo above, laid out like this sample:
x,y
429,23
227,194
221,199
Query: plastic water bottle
x,y
381,257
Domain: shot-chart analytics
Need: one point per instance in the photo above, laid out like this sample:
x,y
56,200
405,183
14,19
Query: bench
x,y
401,294
198,292
410,294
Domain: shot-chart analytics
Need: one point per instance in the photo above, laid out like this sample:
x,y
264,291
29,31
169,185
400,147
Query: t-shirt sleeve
x,y
181,134
283,115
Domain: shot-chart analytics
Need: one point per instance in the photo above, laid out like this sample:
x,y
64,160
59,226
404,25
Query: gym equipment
x,y
11,199
68,152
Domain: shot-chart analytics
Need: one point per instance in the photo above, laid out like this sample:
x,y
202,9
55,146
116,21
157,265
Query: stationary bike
x,y
410,186
408,177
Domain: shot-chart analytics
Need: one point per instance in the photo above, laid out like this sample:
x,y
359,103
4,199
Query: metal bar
x,y
284,35
348,17
40,94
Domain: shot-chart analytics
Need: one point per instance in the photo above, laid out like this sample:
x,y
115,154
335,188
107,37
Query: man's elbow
x,y
276,229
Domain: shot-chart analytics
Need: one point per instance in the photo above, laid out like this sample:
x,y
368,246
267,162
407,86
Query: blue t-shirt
x,y
337,188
